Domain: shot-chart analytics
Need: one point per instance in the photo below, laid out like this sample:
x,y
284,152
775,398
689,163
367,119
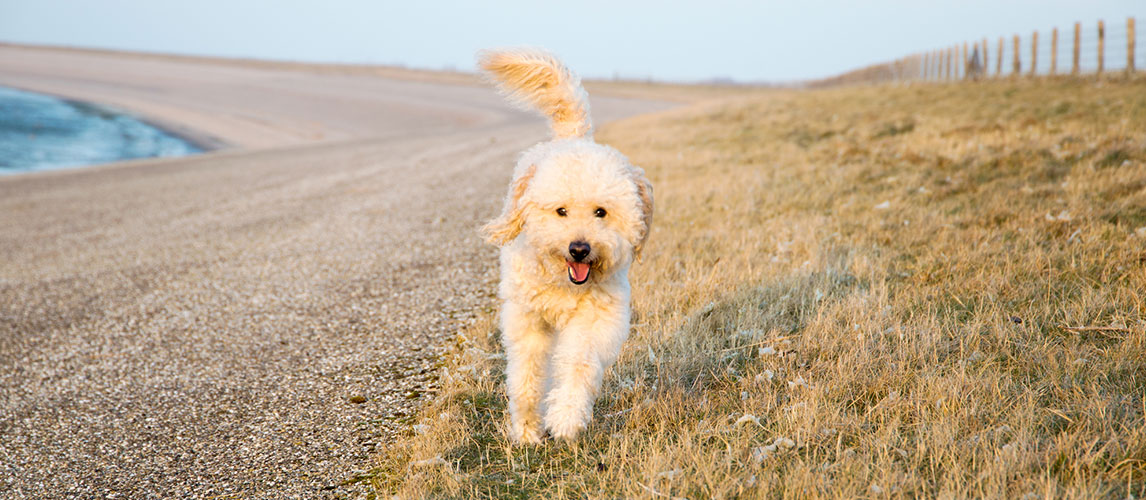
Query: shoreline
x,y
200,141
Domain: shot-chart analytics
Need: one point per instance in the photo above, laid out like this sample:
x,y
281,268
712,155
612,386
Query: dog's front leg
x,y
585,349
527,342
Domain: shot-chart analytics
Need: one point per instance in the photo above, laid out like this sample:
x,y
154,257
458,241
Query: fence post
x,y
977,58
954,62
1130,45
1016,65
999,59
1077,35
1101,45
966,61
959,57
949,62
986,71
940,61
1034,52
1054,50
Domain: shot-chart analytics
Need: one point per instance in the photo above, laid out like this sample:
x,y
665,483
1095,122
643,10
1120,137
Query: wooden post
x,y
939,62
1130,45
955,62
1034,52
1054,50
986,73
999,59
942,64
1101,46
947,76
1016,66
1077,36
966,61
955,70
977,59
947,63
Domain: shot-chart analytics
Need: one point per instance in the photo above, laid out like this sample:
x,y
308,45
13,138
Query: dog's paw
x,y
526,434
565,422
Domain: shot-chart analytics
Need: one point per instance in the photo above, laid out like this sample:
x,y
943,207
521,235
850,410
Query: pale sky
x,y
665,40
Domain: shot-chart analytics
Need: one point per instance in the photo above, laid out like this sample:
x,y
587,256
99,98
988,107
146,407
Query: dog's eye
x,y
561,211
600,212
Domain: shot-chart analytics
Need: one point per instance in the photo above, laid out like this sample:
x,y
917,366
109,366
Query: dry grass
x,y
854,293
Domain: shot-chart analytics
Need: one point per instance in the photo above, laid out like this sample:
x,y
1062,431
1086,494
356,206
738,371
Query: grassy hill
x,y
929,291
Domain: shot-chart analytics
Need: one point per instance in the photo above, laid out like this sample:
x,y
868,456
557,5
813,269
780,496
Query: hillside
x,y
928,291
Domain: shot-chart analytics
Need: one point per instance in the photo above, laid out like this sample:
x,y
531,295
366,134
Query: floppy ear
x,y
645,193
508,225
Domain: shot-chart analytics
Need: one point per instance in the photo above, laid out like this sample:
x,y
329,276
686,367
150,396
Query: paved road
x,y
199,327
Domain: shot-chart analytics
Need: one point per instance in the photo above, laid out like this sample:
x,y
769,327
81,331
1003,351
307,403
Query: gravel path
x,y
246,323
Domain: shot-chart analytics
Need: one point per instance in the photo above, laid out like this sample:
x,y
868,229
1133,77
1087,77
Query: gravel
x,y
250,325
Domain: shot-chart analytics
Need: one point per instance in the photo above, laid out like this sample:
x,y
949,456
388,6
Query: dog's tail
x,y
535,79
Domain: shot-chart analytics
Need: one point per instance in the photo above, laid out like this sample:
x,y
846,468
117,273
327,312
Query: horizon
x,y
673,43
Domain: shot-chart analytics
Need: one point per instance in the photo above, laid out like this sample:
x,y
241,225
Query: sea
x,y
42,132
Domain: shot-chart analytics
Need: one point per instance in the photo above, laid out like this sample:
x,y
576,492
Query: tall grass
x,y
930,291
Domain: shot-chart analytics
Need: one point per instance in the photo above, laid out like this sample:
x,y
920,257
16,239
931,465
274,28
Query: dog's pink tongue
x,y
580,270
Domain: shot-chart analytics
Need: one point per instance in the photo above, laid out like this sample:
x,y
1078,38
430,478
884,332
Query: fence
x,y
1095,49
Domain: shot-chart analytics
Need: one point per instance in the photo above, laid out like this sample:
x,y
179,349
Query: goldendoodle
x,y
576,216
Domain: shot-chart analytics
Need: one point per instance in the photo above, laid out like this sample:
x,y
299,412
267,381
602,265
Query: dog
x,y
576,216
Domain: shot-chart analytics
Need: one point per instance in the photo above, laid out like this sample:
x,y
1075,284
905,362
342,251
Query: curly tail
x,y
535,79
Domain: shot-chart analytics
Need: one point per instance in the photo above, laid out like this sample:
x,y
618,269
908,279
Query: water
x,y
39,132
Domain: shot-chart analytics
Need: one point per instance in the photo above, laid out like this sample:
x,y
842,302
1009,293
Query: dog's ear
x,y
645,193
508,225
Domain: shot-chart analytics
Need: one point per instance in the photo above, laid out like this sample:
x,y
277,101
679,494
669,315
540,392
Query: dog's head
x,y
582,207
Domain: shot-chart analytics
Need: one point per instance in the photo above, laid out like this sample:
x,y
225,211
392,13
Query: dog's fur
x,y
561,336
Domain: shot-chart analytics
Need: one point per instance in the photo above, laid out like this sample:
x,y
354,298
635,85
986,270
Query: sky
x,y
763,41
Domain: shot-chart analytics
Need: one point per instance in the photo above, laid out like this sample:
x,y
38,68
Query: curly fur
x,y
560,336
536,80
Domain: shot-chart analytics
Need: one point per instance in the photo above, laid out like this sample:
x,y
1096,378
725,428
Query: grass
x,y
930,291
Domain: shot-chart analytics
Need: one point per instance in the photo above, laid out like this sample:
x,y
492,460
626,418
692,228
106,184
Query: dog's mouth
x,y
578,272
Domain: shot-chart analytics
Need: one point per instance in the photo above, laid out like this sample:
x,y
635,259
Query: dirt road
x,y
210,326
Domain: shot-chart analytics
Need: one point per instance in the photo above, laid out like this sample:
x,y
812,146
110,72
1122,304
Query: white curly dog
x,y
576,216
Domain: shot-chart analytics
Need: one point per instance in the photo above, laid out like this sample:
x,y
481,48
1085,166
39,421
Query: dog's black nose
x,y
579,250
